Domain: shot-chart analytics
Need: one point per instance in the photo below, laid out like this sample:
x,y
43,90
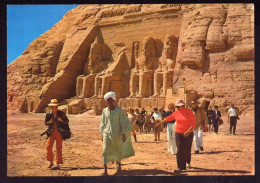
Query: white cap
x,y
179,102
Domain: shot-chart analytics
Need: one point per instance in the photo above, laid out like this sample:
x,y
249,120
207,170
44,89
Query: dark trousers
x,y
183,149
215,125
233,124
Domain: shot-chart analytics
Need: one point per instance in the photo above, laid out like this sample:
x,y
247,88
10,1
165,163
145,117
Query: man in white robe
x,y
115,128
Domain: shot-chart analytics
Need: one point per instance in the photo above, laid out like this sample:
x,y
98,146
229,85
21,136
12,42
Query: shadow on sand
x,y
140,142
196,169
217,152
146,172
82,168
144,164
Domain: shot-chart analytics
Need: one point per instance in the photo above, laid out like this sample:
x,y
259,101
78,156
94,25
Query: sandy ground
x,y
223,154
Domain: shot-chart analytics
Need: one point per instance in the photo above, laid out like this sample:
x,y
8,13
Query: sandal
x,y
50,165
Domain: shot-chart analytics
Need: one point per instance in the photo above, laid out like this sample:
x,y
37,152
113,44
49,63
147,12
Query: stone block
x,y
136,103
244,52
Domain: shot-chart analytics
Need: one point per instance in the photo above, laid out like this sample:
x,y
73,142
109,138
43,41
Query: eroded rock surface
x,y
97,48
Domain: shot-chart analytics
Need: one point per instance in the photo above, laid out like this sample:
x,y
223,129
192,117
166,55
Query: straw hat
x,y
54,102
179,102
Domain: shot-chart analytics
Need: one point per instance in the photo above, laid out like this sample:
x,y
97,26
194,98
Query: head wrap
x,y
110,94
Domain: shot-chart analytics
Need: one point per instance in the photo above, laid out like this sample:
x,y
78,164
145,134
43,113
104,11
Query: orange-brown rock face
x,y
98,48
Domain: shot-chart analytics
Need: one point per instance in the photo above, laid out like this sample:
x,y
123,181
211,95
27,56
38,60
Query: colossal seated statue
x,y
114,78
142,74
94,65
164,73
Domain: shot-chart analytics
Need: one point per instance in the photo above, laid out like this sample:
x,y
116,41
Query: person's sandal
x,y
50,165
177,171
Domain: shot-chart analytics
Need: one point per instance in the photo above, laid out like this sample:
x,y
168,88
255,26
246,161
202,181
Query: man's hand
x,y
156,125
186,134
60,119
51,121
123,137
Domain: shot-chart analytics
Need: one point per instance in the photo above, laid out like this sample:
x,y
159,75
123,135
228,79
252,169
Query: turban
x,y
110,94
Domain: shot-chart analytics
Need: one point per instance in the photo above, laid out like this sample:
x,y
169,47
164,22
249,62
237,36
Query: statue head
x,y
148,48
170,45
97,40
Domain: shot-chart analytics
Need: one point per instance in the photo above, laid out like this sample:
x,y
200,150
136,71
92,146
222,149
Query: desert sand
x,y
223,154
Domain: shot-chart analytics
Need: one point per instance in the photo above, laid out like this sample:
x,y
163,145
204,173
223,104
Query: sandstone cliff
x,y
214,63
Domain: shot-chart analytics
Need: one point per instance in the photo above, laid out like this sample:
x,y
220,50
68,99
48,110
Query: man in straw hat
x,y
55,120
186,123
115,128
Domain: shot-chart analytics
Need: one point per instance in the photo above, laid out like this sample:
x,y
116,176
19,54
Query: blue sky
x,y
27,22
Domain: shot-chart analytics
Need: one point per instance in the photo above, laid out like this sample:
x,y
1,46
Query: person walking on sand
x,y
201,120
215,117
156,117
147,123
163,112
115,128
55,120
185,124
171,125
209,114
232,118
138,119
131,116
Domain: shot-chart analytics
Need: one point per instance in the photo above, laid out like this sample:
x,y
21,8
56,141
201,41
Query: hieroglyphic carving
x,y
120,12
164,73
135,52
164,6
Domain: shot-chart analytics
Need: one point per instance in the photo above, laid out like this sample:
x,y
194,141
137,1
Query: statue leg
x,y
85,87
132,85
88,90
156,84
165,84
79,86
97,86
105,86
141,85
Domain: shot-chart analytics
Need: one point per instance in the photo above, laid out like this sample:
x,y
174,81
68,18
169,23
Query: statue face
x,y
169,48
146,51
97,40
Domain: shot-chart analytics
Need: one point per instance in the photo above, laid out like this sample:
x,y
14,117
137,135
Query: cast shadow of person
x,y
143,172
218,152
197,169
